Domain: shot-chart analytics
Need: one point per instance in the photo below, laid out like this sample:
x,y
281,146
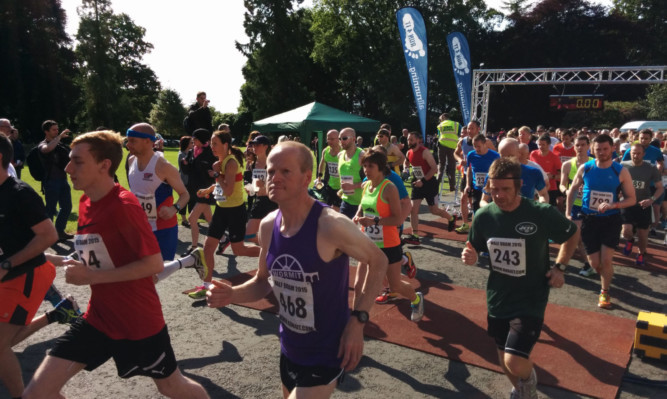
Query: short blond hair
x,y
104,144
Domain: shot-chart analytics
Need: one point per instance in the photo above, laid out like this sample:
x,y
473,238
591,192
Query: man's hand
x,y
166,212
556,277
469,254
77,273
646,203
604,207
220,295
351,346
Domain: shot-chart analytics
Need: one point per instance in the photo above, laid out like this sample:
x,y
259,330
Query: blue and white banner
x,y
460,54
415,48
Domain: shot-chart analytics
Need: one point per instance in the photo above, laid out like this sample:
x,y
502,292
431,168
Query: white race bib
x,y
508,255
349,180
294,293
638,184
418,172
564,159
664,181
147,202
374,232
480,178
217,193
600,197
92,251
257,176
332,167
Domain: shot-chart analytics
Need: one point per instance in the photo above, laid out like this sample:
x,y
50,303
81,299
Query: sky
x,y
194,43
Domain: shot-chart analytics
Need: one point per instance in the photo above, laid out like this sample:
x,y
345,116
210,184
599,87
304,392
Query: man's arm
x,y
428,157
572,192
45,236
555,276
169,173
45,148
78,274
321,166
543,195
564,176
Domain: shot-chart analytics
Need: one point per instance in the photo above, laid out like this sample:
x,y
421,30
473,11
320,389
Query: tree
x,y
657,102
38,66
168,113
650,17
118,88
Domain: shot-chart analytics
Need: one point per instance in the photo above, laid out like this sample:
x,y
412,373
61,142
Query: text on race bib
x,y
294,292
147,202
375,233
418,172
349,180
638,184
508,255
92,251
600,197
332,167
218,193
480,178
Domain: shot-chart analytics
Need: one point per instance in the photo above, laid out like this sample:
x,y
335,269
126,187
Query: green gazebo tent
x,y
312,118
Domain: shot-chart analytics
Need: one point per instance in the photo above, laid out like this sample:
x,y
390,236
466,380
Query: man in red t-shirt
x,y
119,256
551,165
565,149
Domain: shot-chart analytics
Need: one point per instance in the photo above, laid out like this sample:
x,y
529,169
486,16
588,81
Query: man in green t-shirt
x,y
515,231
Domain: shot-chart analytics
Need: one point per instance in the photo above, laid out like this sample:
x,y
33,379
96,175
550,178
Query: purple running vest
x,y
311,293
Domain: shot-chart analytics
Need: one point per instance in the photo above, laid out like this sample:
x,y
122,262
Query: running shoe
x,y
452,224
418,309
653,233
604,301
67,311
188,251
463,229
663,224
410,269
627,250
640,260
53,295
386,296
587,270
199,265
198,293
224,243
412,239
185,224
514,394
528,388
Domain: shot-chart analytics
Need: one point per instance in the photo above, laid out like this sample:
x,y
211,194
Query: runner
x,y
516,233
26,231
601,224
351,173
550,164
262,205
395,157
463,147
479,161
424,186
119,256
305,260
569,170
151,179
327,171
379,215
230,211
644,176
565,149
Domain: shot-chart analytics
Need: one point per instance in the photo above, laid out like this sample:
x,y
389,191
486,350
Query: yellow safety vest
x,y
448,133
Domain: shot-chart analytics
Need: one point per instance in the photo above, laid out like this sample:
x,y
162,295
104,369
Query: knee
x,y
518,366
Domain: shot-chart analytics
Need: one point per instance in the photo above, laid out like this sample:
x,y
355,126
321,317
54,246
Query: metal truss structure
x,y
483,79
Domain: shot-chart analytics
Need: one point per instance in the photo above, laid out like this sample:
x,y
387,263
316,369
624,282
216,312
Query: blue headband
x,y
134,133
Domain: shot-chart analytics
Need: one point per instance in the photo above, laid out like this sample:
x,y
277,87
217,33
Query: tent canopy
x,y
314,117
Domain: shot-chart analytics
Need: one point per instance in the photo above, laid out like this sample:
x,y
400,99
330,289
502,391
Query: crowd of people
x,y
520,190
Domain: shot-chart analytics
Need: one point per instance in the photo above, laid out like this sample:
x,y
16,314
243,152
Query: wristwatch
x,y
6,265
178,208
361,315
376,220
560,267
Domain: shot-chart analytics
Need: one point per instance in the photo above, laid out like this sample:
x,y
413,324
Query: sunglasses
x,y
344,138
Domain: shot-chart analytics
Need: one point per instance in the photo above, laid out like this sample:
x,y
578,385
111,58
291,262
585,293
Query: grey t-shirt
x,y
642,177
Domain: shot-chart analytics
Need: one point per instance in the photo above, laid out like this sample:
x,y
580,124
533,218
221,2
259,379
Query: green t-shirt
x,y
518,247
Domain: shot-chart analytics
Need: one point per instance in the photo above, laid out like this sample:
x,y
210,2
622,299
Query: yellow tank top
x,y
238,195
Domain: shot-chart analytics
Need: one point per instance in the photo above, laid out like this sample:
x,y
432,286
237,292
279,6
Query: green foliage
x,y
657,102
118,88
36,65
615,114
168,113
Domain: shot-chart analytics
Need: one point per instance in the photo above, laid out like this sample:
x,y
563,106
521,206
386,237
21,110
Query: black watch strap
x,y
361,315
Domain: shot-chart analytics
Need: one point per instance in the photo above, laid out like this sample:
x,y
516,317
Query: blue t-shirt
x,y
600,185
398,182
480,165
651,154
531,180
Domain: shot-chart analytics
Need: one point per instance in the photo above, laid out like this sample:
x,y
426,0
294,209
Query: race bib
x,y
374,232
92,251
347,179
332,167
259,174
480,178
664,181
508,255
564,159
600,197
147,202
217,193
418,172
294,293
638,184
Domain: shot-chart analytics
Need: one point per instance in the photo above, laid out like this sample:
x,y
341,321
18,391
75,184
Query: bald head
x,y
143,128
524,152
348,131
509,147
333,133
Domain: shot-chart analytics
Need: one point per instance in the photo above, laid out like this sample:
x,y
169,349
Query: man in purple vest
x,y
304,259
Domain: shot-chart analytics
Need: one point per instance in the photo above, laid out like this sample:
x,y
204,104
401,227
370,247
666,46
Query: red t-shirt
x,y
550,163
114,232
565,154
416,158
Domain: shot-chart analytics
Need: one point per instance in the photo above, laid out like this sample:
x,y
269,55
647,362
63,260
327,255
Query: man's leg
x,y
442,160
179,386
414,215
65,203
10,369
642,242
51,377
50,198
606,268
451,168
320,391
436,210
